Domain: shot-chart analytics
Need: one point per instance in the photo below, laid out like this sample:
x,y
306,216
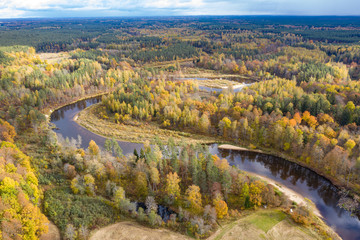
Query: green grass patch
x,y
266,220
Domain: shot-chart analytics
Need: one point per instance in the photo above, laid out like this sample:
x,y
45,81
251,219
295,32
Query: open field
x,y
134,231
188,70
219,83
195,72
54,57
141,132
263,224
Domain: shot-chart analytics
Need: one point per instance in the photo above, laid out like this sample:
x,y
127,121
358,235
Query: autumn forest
x,y
284,87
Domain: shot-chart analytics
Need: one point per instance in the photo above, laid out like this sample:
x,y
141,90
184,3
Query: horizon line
x,y
175,16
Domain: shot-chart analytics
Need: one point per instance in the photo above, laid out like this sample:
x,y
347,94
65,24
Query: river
x,y
300,179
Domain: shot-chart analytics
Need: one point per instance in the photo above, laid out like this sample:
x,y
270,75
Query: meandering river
x,y
300,179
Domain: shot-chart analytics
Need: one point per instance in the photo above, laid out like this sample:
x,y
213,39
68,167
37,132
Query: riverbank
x,y
354,190
153,136
146,131
290,194
89,120
236,148
137,132
49,110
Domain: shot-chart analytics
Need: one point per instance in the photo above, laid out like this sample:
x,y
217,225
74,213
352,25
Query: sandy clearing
x,y
52,234
53,57
134,231
236,148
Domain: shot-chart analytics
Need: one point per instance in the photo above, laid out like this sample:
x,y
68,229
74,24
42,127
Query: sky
x,y
110,8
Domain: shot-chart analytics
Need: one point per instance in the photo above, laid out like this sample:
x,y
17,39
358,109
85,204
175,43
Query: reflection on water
x,y
67,127
162,211
300,179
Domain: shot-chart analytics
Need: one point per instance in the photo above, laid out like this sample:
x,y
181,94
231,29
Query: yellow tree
x,y
297,118
89,182
255,191
350,144
225,125
33,221
193,195
93,148
7,132
172,185
119,195
155,177
220,207
141,187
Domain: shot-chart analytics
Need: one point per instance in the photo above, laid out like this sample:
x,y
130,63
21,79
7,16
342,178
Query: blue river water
x,y
300,179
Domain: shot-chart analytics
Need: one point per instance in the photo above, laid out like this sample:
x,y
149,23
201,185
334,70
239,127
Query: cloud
x,y
11,13
59,8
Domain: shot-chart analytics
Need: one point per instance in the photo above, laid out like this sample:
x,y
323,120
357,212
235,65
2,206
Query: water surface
x,y
300,179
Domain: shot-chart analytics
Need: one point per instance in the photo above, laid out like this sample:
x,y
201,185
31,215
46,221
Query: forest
x,y
301,101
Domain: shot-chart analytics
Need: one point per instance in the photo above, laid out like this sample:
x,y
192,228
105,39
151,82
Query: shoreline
x,y
225,146
49,110
240,149
164,133
291,195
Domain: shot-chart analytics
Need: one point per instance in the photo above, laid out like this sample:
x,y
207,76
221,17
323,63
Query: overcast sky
x,y
104,8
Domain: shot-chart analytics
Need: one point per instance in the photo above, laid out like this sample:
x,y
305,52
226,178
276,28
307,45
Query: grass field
x,y
266,220
265,224
54,57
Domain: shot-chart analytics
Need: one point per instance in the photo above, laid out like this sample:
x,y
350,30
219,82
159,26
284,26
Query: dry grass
x,y
140,132
265,224
54,57
195,72
134,231
218,83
